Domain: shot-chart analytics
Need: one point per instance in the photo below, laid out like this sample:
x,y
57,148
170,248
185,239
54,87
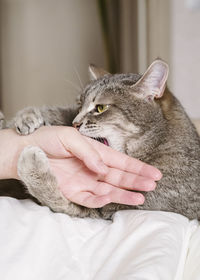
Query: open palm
x,y
90,173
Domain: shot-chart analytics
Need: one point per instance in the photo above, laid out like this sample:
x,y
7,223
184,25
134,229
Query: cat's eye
x,y
101,108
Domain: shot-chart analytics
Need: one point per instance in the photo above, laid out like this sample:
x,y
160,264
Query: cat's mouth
x,y
101,140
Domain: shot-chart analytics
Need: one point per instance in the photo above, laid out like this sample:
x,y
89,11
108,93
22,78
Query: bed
x,y
36,243
39,244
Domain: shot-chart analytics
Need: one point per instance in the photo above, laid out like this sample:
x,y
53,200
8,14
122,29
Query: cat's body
x,y
135,119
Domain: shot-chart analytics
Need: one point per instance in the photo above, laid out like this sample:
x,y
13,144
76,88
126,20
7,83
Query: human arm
x,y
108,175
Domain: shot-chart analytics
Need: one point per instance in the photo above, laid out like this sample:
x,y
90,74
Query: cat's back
x,y
178,158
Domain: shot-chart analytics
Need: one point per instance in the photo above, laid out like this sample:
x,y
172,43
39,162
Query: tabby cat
x,y
133,114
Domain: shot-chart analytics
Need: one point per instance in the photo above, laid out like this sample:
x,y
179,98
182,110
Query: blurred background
x,y
46,46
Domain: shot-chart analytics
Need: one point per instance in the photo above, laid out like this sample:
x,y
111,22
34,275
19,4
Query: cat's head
x,y
114,108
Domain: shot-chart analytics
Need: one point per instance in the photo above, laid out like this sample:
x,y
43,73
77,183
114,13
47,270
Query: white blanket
x,y
37,244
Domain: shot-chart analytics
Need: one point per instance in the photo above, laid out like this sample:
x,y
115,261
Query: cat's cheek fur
x,y
116,143
113,135
115,139
132,147
118,137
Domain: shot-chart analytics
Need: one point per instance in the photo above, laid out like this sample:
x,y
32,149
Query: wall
x,y
185,55
43,44
44,41
153,33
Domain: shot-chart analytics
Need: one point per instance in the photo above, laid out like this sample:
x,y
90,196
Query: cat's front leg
x,y
28,120
34,171
2,120
31,118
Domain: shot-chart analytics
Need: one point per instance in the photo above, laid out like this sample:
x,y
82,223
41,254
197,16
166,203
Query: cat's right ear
x,y
152,84
96,72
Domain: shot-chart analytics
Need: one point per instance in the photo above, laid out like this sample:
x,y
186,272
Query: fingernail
x,y
158,175
140,199
151,186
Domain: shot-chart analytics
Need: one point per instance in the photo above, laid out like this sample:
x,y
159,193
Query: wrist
x,y
11,145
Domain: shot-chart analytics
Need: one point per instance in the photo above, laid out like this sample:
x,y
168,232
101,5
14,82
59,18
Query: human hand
x,y
90,173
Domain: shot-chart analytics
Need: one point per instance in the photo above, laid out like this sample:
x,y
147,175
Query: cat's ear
x,y
152,84
96,72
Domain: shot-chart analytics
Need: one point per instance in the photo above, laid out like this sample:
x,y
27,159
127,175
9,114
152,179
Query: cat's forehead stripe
x,y
90,107
113,83
92,94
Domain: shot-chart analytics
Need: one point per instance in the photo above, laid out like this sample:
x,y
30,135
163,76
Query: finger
x,y
90,200
118,195
121,161
125,197
128,180
83,150
99,194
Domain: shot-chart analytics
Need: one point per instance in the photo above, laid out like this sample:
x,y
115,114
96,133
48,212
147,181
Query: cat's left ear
x,y
152,84
96,72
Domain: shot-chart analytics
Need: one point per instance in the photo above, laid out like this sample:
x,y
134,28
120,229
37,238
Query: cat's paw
x,y
32,159
28,120
2,120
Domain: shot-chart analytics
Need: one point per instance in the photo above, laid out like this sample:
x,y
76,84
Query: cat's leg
x,y
31,118
34,171
2,120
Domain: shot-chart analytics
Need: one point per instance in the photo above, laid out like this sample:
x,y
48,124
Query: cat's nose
x,y
77,125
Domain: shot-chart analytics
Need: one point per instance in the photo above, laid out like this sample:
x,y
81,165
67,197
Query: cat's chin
x,y
101,140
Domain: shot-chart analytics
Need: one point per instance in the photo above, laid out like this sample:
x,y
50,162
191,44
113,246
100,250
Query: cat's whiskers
x,y
79,78
76,87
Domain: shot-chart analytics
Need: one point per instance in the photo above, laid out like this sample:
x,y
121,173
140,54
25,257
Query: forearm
x,y
11,145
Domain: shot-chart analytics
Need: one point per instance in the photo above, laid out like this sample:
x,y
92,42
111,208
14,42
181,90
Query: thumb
x,y
82,149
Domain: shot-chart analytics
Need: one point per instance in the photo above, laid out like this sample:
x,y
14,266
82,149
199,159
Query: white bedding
x,y
37,244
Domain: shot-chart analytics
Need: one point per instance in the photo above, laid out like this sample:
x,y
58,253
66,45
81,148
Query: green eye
x,y
101,108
